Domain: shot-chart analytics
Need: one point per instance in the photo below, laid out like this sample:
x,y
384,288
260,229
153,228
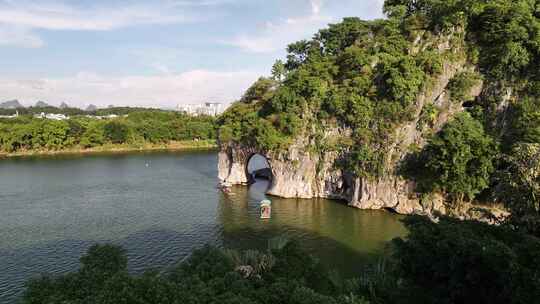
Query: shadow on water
x,y
342,237
160,249
55,209
152,249
333,254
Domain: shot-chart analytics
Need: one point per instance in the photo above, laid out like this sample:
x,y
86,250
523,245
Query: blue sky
x,y
152,53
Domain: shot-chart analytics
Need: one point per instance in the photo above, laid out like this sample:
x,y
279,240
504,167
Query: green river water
x,y
160,206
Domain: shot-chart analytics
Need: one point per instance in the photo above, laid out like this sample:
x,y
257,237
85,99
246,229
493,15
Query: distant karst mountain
x,y
91,108
11,104
42,104
64,105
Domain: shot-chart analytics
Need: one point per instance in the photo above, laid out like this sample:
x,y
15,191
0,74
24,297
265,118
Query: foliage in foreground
x,y
210,275
457,261
448,262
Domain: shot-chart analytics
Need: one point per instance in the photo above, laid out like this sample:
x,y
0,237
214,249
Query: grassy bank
x,y
170,146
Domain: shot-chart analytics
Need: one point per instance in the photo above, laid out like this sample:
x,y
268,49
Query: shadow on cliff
x,y
333,254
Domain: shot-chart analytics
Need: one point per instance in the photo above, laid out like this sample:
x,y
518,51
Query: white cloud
x,y
19,36
168,90
61,16
275,36
158,58
316,7
18,18
201,2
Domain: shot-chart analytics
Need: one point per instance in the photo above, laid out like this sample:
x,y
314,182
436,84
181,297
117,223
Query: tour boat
x,y
266,209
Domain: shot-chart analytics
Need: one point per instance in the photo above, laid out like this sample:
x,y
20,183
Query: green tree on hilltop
x,y
279,71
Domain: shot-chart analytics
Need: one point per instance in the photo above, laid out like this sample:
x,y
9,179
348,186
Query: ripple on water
x,y
54,209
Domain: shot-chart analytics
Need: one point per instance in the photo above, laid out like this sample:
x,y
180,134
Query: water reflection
x,y
53,209
342,237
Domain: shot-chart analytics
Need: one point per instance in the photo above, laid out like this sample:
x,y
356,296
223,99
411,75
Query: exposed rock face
x,y
296,174
232,163
301,173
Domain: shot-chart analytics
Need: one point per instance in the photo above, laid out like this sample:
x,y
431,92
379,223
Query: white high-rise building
x,y
208,108
213,108
189,109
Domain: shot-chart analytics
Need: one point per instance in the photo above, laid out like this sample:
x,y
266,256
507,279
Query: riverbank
x,y
120,148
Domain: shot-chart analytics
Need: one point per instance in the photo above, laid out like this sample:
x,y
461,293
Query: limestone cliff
x,y
304,171
300,173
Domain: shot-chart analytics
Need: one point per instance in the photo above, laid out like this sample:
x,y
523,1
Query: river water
x,y
160,206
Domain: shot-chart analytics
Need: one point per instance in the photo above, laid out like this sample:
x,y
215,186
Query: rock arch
x,y
298,173
295,174
264,172
233,163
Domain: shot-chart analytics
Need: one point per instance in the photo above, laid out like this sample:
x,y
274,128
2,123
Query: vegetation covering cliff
x,y
434,107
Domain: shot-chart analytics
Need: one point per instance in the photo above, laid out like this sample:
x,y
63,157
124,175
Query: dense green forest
x,y
448,262
26,133
69,111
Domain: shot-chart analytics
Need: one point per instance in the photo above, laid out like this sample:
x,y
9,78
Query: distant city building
x,y
51,116
189,109
11,116
213,108
111,116
207,108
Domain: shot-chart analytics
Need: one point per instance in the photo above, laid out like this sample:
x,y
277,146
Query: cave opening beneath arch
x,y
258,169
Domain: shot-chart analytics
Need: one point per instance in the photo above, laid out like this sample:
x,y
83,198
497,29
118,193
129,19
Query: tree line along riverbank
x,y
139,130
120,148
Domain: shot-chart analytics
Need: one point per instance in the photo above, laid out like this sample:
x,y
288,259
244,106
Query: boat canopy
x,y
266,203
